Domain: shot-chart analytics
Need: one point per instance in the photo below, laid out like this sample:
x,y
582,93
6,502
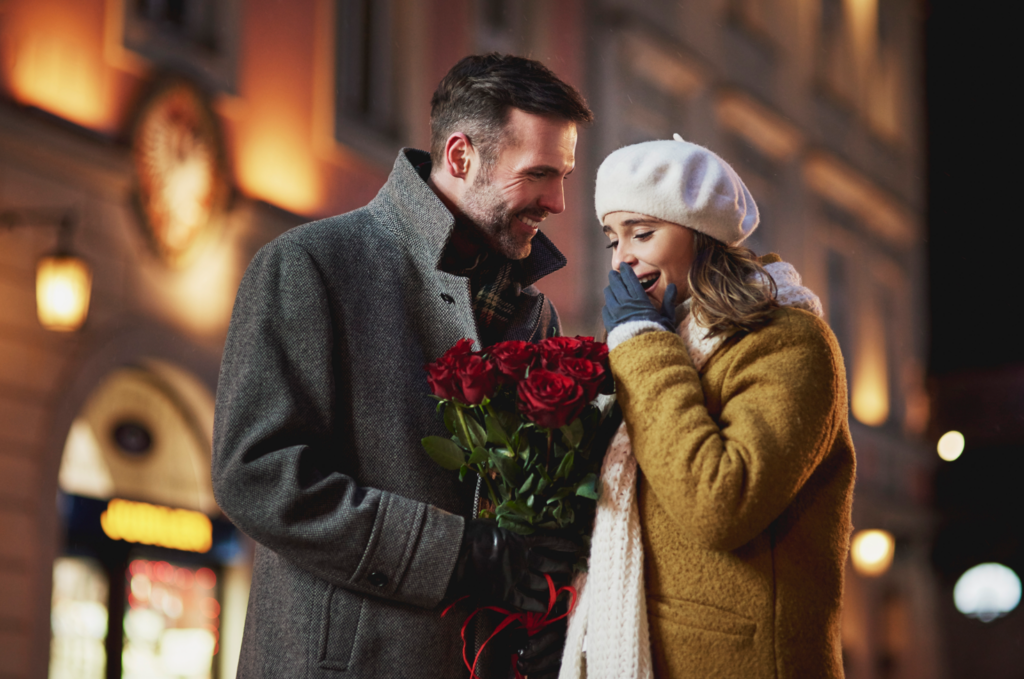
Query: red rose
x,y
553,349
443,374
595,351
478,379
590,374
461,348
551,400
441,378
513,358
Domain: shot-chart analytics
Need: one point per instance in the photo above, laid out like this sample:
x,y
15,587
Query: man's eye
x,y
611,246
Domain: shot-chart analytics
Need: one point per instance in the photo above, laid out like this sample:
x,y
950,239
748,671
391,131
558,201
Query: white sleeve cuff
x,y
627,331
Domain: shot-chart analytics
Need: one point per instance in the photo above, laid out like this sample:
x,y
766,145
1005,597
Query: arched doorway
x,y
150,581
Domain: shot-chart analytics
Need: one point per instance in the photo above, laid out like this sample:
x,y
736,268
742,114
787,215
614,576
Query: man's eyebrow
x,y
548,169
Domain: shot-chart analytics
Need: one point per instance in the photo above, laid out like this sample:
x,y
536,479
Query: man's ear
x,y
459,154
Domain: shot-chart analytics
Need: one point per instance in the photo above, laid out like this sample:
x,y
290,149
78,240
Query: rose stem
x,y
547,459
479,472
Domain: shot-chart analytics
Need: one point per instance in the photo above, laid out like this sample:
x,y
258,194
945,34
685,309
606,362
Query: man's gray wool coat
x,y
321,406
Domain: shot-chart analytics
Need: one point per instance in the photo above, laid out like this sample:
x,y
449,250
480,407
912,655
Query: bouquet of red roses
x,y
522,418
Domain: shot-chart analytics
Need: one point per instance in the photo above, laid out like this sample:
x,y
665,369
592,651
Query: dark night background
x,y
977,358
974,183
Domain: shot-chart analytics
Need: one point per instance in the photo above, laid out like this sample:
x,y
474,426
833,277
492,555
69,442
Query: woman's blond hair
x,y
729,288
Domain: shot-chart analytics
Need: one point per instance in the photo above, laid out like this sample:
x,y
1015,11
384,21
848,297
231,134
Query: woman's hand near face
x,y
625,300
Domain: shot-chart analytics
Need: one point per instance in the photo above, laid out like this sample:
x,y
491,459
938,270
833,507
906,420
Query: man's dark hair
x,y
477,94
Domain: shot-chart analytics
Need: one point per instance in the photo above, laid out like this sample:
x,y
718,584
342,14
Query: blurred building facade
x,y
181,135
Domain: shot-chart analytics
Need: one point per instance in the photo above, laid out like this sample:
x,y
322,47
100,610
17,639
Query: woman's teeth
x,y
649,280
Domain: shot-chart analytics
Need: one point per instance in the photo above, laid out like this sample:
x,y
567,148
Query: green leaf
x,y
509,421
559,494
573,433
588,487
495,432
444,451
477,435
519,507
545,480
565,468
525,488
506,466
515,524
524,454
451,420
478,456
463,470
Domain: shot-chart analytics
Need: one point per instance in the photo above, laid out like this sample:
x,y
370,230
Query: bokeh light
x,y
951,445
987,591
872,551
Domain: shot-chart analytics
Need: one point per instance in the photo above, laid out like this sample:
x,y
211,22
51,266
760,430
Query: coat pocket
x,y
342,612
700,616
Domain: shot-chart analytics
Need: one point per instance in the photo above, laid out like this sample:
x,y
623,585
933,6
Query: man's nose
x,y
553,200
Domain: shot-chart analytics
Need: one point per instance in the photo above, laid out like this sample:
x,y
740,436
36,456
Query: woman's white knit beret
x,y
681,183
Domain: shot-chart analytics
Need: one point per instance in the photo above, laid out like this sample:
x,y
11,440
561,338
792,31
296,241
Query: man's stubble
x,y
490,212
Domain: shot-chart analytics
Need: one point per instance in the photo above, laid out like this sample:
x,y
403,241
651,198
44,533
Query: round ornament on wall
x,y
181,181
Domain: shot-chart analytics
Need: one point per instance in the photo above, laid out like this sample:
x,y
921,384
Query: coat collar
x,y
422,216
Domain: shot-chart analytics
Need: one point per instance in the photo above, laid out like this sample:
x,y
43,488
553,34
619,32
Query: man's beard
x,y
492,215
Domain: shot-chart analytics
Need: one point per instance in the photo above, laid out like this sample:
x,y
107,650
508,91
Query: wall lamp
x,y
63,280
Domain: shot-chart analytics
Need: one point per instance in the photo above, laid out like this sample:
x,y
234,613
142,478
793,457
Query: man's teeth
x,y
529,222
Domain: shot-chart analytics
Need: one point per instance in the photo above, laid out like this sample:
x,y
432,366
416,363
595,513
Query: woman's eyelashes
x,y
640,237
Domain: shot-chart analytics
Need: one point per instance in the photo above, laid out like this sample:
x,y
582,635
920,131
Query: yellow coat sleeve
x,y
776,397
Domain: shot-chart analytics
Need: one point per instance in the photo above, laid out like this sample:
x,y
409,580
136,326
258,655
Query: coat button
x,y
448,298
378,579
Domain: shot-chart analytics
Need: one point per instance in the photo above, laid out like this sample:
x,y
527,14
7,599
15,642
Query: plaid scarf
x,y
492,281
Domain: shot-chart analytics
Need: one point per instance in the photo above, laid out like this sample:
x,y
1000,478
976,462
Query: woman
x,y
739,426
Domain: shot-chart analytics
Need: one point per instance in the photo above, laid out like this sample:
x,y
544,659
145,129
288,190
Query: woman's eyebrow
x,y
639,220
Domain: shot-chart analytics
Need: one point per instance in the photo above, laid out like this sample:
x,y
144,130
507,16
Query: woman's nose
x,y
622,254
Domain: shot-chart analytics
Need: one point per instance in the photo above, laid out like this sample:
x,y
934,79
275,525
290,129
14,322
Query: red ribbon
x,y
531,622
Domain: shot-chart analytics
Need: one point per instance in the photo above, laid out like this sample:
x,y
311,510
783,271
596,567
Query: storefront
x,y
151,581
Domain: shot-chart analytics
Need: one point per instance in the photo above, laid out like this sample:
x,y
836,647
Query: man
x,y
362,540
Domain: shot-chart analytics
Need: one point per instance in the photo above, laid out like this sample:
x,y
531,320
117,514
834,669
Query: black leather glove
x,y
499,567
540,657
625,301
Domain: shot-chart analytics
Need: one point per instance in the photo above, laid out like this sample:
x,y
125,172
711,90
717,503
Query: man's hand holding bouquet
x,y
523,421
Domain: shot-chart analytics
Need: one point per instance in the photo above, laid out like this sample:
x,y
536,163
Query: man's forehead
x,y
548,143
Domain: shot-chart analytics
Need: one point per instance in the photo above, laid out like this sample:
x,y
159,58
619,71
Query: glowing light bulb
x,y
987,591
872,552
951,445
63,287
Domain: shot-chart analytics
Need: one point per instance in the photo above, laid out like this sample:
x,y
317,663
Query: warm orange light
x,y
280,170
57,62
870,393
872,552
63,288
155,525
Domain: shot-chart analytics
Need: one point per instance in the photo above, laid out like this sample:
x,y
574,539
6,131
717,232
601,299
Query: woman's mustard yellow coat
x,y
746,484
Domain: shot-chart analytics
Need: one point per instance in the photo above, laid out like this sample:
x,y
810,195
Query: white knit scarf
x,y
607,637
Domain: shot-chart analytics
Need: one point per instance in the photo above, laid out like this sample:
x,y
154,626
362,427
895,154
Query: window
x,y
836,72
199,37
366,92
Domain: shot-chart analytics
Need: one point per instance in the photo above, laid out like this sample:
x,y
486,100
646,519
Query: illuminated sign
x,y
155,525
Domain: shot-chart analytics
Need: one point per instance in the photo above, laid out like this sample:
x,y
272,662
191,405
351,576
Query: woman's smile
x,y
659,252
